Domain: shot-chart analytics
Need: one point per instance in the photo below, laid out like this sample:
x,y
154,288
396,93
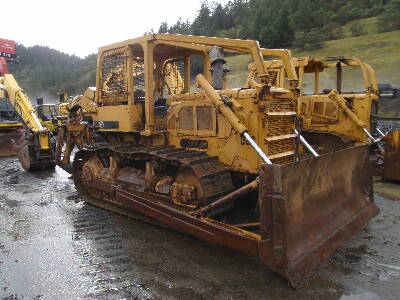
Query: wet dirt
x,y
55,246
387,188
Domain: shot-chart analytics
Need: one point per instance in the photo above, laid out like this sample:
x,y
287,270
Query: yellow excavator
x,y
227,166
10,128
35,148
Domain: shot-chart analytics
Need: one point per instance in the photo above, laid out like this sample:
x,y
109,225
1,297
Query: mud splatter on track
x,y
55,246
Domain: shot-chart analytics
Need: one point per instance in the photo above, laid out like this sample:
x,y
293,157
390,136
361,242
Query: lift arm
x,y
336,97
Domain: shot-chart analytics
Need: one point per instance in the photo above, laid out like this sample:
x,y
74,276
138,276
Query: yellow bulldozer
x,y
191,157
338,106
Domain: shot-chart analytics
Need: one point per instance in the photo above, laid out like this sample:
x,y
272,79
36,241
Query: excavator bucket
x,y
311,208
391,168
8,134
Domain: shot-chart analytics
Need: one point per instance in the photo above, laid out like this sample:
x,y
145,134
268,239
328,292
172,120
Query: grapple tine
x,y
7,148
7,145
391,169
311,208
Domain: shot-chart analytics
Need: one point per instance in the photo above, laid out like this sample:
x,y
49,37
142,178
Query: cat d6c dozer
x,y
338,106
223,165
331,99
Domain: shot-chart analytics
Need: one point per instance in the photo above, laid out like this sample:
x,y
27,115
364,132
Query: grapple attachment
x,y
8,134
311,208
391,169
6,148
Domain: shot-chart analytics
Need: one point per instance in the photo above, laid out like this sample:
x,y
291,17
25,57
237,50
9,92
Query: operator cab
x,y
47,112
7,112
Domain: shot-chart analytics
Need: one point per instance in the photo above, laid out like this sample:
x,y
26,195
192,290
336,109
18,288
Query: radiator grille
x,y
280,105
280,146
113,81
277,126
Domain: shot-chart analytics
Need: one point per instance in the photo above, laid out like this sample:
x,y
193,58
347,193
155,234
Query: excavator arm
x,y
35,148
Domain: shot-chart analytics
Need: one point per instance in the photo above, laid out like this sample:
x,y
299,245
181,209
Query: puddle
x,y
397,268
362,296
11,203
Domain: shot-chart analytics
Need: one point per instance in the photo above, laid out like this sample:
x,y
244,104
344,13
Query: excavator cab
x,y
48,116
47,112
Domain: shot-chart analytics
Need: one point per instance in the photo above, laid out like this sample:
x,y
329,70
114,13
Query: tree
x,y
389,20
307,40
356,29
201,24
331,31
163,28
181,27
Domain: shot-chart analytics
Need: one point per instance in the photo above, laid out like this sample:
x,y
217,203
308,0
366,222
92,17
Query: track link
x,y
213,176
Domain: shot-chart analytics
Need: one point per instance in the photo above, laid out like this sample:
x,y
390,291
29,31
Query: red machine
x,y
7,49
10,128
3,66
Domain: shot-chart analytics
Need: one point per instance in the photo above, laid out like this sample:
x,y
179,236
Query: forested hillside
x,y
305,26
301,24
44,72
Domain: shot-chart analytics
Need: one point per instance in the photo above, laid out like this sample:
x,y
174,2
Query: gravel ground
x,y
55,246
388,125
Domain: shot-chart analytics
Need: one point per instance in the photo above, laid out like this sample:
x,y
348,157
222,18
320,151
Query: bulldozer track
x,y
214,177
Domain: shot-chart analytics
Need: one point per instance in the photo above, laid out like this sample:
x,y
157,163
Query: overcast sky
x,y
80,27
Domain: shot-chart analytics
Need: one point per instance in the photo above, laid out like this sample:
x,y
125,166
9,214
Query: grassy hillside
x,y
380,50
368,26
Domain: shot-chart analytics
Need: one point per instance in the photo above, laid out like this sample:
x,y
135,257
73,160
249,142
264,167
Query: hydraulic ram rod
x,y
256,148
380,132
215,99
306,144
335,96
369,135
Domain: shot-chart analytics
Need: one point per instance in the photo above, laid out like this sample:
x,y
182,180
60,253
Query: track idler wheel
x,y
30,156
91,169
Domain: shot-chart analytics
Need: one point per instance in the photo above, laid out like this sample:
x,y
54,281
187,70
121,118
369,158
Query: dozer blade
x,y
311,208
391,168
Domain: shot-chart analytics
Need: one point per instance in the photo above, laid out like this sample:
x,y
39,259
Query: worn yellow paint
x,y
349,113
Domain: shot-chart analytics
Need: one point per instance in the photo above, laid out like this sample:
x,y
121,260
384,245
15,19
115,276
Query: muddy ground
x,y
54,246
